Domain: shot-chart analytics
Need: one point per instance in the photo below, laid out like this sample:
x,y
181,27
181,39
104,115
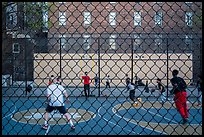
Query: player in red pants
x,y
180,95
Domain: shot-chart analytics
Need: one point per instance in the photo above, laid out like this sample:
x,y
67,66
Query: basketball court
x,y
99,116
142,41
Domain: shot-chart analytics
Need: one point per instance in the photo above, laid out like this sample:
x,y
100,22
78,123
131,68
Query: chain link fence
x,y
143,40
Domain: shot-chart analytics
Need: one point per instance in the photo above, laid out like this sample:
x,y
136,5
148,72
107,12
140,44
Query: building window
x,y
158,3
188,39
87,42
137,19
188,3
112,17
62,3
87,3
62,18
112,42
158,42
87,18
11,19
11,16
16,48
45,16
188,18
158,39
158,18
188,42
137,43
63,41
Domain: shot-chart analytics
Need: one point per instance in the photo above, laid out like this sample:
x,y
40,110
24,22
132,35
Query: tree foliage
x,y
197,18
34,14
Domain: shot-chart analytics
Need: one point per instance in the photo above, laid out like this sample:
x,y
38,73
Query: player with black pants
x,y
127,80
86,79
108,81
161,88
131,87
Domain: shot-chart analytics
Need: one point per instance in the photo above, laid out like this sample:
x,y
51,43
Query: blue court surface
x,y
99,116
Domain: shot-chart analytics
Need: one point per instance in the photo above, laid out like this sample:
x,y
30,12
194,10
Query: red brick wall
x,y
173,17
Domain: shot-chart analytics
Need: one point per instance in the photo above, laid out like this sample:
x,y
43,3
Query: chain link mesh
x,y
145,40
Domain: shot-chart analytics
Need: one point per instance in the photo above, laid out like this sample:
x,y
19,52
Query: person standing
x,y
199,86
50,80
86,79
146,88
127,80
96,80
161,88
136,82
180,95
55,94
131,88
108,81
59,80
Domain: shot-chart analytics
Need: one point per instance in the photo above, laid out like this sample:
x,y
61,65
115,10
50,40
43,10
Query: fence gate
x,y
111,41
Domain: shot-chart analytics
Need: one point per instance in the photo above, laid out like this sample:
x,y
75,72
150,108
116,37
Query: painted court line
x,y
175,123
160,116
47,130
128,120
114,123
11,112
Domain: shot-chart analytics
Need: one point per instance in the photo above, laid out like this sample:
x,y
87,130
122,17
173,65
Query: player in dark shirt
x,y
127,79
180,95
96,79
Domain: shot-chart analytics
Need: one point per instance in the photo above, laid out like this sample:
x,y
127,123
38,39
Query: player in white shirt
x,y
131,88
55,93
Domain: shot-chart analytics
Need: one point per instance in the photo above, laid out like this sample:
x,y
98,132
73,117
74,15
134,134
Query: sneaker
x,y
135,104
73,127
185,121
45,127
162,102
198,105
139,99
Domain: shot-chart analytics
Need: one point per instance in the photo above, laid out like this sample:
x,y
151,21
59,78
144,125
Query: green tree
x,y
197,19
34,15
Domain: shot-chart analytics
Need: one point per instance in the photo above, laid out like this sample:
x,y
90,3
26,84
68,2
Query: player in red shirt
x,y
86,79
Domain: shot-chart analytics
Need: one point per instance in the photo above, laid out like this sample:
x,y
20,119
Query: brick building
x,y
20,41
150,27
112,27
113,20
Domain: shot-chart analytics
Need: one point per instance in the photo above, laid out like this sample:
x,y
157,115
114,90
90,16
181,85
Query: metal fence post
x,y
132,59
99,86
25,56
167,49
60,58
